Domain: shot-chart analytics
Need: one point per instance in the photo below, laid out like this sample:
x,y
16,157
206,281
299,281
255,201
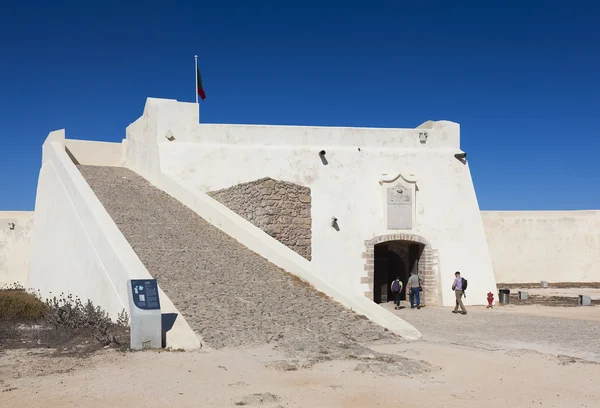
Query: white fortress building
x,y
344,209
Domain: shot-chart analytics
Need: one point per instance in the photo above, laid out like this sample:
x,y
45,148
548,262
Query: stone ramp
x,y
228,294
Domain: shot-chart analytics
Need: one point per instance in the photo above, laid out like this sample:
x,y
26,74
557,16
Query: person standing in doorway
x,y
414,288
457,287
396,289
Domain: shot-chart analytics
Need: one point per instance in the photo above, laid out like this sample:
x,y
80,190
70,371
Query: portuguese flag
x,y
200,87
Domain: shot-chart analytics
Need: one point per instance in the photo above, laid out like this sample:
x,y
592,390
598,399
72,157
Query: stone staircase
x,y
228,294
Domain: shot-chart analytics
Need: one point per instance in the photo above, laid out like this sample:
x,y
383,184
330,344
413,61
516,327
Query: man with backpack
x,y
396,289
459,286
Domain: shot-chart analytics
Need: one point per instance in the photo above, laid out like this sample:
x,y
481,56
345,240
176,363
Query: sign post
x,y
146,318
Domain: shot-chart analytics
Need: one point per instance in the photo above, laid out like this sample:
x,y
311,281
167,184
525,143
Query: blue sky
x,y
521,77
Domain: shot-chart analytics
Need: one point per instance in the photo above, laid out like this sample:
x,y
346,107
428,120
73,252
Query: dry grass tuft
x,y
17,305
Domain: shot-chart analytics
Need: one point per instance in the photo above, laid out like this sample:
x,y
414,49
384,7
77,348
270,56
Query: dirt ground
x,y
428,371
458,377
576,313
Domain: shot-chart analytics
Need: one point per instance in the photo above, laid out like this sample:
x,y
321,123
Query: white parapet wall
x,y
552,246
348,185
15,238
77,248
95,153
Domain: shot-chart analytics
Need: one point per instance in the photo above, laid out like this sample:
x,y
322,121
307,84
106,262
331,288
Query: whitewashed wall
x,y
15,238
78,249
554,246
211,157
70,252
96,153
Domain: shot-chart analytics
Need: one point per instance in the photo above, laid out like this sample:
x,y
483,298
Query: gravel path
x,y
495,330
230,295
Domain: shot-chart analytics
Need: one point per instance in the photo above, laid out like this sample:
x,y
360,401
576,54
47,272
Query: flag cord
x,y
196,75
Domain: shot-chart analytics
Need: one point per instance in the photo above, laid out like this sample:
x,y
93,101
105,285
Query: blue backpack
x,y
396,286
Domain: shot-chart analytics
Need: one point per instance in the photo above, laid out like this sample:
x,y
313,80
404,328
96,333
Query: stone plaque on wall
x,y
399,207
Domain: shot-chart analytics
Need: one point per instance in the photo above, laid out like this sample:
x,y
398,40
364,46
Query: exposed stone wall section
x,y
280,209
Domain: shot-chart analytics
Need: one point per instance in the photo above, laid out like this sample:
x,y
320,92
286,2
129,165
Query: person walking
x,y
414,288
457,287
396,287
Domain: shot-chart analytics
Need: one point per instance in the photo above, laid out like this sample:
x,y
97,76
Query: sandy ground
x,y
512,327
451,374
459,377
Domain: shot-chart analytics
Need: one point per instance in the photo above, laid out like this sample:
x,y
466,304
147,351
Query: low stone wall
x,y
281,209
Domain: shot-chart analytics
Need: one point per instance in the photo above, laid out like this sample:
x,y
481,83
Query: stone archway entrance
x,y
399,254
394,259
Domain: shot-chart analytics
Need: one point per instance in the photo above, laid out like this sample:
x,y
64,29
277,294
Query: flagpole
x,y
196,75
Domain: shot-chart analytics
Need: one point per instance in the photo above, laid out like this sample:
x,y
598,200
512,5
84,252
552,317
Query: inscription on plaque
x,y
145,294
399,207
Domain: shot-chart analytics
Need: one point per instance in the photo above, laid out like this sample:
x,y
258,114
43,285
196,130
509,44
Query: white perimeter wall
x,y
14,246
554,246
210,157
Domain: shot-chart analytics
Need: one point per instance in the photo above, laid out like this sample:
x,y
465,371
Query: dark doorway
x,y
393,259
